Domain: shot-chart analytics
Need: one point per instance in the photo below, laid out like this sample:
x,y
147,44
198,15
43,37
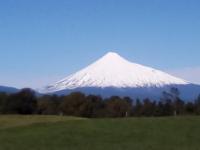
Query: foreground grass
x,y
8,121
69,133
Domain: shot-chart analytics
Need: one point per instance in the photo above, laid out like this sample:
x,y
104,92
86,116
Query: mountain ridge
x,y
7,89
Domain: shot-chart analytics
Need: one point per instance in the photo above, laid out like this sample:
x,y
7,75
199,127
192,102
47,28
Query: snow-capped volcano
x,y
113,75
114,71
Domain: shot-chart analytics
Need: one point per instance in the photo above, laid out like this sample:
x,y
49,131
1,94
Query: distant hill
x,y
8,89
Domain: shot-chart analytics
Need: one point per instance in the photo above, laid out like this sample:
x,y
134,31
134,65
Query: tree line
x,y
92,106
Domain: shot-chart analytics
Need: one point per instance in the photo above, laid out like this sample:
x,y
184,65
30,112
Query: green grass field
x,y
69,133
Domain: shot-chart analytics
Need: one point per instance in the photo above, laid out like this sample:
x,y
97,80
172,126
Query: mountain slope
x,y
112,74
114,71
8,89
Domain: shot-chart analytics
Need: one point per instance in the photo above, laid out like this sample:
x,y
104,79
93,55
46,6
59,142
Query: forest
x,y
78,104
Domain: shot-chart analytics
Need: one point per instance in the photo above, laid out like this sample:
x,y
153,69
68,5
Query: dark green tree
x,y
73,104
197,105
3,99
148,108
118,107
49,105
178,104
137,108
93,107
189,108
23,102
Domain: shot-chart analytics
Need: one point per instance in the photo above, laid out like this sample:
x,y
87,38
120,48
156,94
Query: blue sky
x,y
42,41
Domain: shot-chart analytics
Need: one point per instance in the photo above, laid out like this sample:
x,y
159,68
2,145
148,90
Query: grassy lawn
x,y
69,133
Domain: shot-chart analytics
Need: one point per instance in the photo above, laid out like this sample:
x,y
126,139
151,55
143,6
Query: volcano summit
x,y
114,75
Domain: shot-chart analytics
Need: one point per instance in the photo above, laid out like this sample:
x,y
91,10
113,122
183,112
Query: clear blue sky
x,y
42,41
